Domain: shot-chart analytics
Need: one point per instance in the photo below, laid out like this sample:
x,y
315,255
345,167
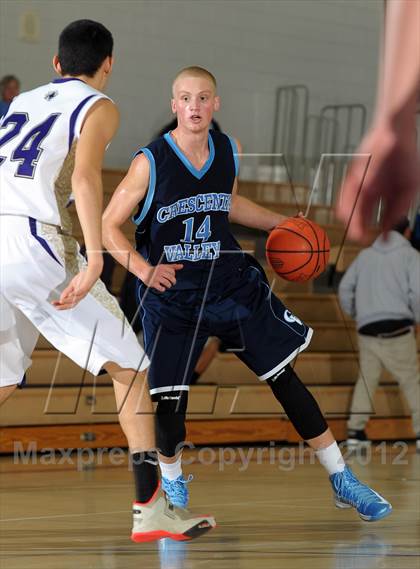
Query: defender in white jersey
x,y
38,147
52,143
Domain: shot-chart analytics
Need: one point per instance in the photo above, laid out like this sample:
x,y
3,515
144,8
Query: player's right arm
x,y
99,127
125,199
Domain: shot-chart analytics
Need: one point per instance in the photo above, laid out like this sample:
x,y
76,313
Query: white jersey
x,y
37,144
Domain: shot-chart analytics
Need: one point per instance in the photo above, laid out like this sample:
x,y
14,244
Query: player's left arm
x,y
245,212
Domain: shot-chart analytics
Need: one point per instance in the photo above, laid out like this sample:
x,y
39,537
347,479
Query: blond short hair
x,y
195,71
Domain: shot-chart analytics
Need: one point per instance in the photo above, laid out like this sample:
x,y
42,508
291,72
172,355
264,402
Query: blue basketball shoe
x,y
177,490
351,493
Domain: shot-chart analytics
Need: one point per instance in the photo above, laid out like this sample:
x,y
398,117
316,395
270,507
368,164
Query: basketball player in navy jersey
x,y
195,282
52,142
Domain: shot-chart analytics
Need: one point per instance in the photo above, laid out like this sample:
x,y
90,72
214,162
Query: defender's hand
x,y
160,277
78,288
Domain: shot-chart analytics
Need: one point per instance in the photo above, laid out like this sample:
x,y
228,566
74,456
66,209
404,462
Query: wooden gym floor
x,y
270,516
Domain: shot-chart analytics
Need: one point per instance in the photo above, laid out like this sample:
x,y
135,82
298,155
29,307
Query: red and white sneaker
x,y
158,519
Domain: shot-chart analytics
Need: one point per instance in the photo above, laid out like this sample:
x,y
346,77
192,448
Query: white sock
x,y
171,471
331,458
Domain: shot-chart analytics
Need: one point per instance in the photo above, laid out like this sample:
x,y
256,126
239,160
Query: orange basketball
x,y
298,249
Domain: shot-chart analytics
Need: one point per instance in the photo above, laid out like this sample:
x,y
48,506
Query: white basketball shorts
x,y
36,263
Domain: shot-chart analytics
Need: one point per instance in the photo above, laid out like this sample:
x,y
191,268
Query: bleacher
x,y
67,408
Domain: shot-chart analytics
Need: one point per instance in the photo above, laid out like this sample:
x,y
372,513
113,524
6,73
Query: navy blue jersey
x,y
184,215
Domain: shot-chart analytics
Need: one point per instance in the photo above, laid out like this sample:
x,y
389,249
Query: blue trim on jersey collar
x,y
152,185
235,154
197,173
67,79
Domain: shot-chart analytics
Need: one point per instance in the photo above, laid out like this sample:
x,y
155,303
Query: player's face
x,y
194,102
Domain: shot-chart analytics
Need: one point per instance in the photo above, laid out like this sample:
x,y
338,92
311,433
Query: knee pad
x,y
299,404
170,421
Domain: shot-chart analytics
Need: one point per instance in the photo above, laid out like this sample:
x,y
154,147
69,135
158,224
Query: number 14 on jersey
x,y
203,232
187,250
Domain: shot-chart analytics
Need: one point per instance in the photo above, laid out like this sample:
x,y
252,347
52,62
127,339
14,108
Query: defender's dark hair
x,y
83,46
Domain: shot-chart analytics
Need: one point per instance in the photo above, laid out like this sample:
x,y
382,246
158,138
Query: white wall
x,y
251,47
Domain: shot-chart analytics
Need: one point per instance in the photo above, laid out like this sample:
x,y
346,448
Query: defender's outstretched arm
x,y
99,128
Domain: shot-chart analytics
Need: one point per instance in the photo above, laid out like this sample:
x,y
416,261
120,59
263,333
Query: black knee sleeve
x,y
170,421
299,404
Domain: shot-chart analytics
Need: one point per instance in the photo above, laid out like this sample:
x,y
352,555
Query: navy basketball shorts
x,y
240,309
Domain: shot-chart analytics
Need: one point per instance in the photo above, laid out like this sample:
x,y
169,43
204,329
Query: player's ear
x,y
108,65
56,64
216,103
173,106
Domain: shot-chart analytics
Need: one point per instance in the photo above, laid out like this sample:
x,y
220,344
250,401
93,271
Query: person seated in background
x,y
381,290
9,89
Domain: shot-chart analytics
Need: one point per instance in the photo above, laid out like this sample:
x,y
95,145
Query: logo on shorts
x,y
278,374
291,318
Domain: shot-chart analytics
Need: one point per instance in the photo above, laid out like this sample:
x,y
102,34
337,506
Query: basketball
x,y
298,249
